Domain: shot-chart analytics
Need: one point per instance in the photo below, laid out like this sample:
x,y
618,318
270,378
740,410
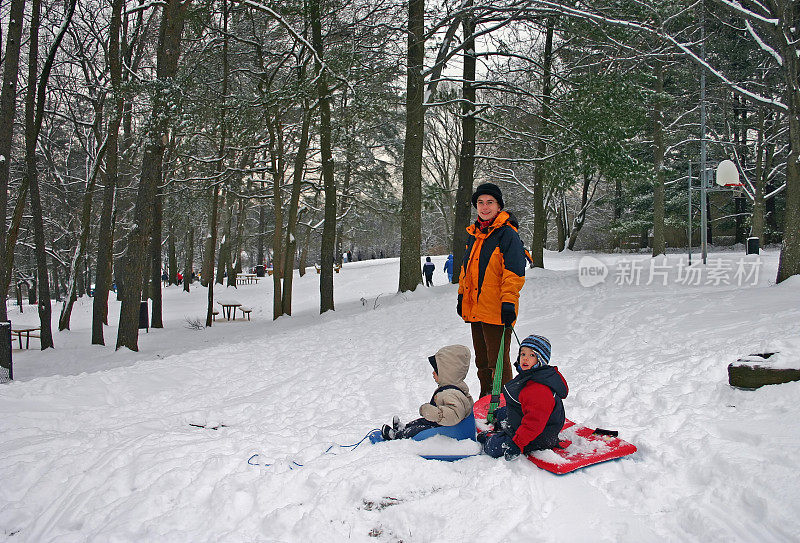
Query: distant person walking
x,y
492,274
428,269
448,268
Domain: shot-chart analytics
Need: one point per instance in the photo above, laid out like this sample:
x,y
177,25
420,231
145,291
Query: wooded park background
x,y
212,136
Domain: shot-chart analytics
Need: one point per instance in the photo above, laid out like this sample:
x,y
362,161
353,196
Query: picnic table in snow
x,y
246,278
229,308
336,268
25,331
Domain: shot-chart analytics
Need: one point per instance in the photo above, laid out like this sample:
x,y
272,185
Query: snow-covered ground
x,y
97,445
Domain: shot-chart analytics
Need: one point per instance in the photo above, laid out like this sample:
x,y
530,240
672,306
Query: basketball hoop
x,y
728,175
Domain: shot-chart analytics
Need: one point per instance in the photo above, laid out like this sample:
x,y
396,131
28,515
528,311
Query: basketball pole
x,y
703,173
727,179
690,213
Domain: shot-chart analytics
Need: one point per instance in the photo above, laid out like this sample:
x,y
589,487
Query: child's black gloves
x,y
458,305
508,314
511,452
501,425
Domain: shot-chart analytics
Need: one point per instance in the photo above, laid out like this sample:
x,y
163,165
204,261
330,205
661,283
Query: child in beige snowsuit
x,y
451,402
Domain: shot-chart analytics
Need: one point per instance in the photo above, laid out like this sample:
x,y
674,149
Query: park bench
x,y
245,311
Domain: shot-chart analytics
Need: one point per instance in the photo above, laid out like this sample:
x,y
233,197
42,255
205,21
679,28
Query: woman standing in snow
x,y
492,274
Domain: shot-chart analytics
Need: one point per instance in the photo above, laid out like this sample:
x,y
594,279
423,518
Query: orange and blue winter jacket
x,y
493,270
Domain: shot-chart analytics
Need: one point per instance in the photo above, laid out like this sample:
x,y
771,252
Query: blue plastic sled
x,y
463,430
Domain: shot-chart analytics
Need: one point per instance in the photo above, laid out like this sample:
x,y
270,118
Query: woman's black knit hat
x,y
492,190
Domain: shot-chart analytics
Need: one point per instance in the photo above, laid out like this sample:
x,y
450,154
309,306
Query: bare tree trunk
x,y
212,241
740,130
80,277
77,258
222,259
105,241
46,334
188,268
466,159
618,210
770,216
301,268
13,232
757,223
156,320
561,223
343,202
709,230
56,280
83,240
236,243
348,174
540,216
207,269
411,223
765,153
580,218
658,162
172,256
118,270
18,289
290,247
234,266
224,246
85,283
789,262
8,111
223,264
103,277
168,53
34,113
276,161
211,245
262,219
329,182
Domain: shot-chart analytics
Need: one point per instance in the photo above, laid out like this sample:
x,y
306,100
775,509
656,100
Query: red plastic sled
x,y
579,446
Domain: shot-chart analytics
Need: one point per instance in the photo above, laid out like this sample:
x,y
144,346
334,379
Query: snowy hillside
x,y
97,445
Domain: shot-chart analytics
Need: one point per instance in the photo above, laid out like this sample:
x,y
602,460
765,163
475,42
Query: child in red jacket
x,y
534,413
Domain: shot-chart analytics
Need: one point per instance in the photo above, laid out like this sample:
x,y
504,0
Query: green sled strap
x,y
498,378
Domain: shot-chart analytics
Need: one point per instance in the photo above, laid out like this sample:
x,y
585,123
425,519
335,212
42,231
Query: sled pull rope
x,y
498,378
254,462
